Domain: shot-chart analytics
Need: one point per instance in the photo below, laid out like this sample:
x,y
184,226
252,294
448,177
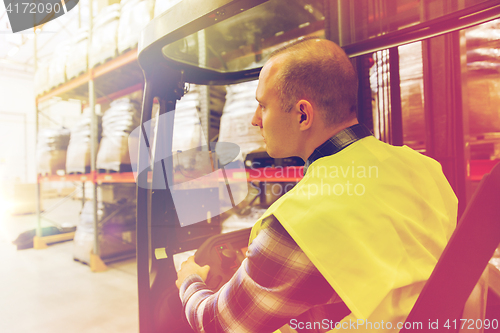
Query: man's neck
x,y
322,135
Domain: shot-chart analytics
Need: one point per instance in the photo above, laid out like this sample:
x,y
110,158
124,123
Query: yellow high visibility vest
x,y
374,220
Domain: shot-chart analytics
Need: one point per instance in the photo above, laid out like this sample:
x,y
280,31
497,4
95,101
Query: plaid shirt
x,y
338,142
276,284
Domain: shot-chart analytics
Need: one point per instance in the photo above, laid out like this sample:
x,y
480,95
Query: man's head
x,y
318,70
307,92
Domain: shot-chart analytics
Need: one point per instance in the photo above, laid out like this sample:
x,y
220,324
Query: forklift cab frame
x,y
221,42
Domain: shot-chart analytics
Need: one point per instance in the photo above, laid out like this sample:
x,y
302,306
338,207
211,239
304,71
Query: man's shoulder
x,y
372,150
274,229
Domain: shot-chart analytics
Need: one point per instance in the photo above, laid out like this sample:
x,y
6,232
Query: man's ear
x,y
304,114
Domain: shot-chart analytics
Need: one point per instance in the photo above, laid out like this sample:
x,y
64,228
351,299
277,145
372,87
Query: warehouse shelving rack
x,y
111,80
118,77
115,78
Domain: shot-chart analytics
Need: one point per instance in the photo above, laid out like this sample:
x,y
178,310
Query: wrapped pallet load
x,y
51,150
105,35
117,122
188,131
236,127
412,94
116,231
163,5
235,124
135,15
217,100
78,156
483,89
187,127
57,68
483,49
483,35
76,64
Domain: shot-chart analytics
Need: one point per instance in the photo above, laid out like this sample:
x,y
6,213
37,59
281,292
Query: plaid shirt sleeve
x,y
275,283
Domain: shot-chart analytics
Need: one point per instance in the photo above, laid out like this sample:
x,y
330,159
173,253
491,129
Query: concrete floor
x,y
46,291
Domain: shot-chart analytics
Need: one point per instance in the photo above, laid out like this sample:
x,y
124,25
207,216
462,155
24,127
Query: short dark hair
x,y
320,72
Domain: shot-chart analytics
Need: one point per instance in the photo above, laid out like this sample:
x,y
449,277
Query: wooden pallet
x,y
44,242
122,168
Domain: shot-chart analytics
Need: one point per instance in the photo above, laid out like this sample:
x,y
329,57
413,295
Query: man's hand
x,y
189,267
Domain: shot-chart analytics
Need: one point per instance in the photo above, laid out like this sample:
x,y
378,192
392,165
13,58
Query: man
x,y
361,232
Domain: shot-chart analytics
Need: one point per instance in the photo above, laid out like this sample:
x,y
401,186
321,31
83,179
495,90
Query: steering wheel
x,y
224,254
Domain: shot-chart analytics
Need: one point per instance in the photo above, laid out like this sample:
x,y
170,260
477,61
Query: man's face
x,y
275,124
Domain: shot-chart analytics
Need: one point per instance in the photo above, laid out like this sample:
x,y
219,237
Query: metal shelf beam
x,y
115,78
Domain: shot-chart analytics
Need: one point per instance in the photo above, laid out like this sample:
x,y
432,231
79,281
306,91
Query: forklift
x,y
178,207
214,43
